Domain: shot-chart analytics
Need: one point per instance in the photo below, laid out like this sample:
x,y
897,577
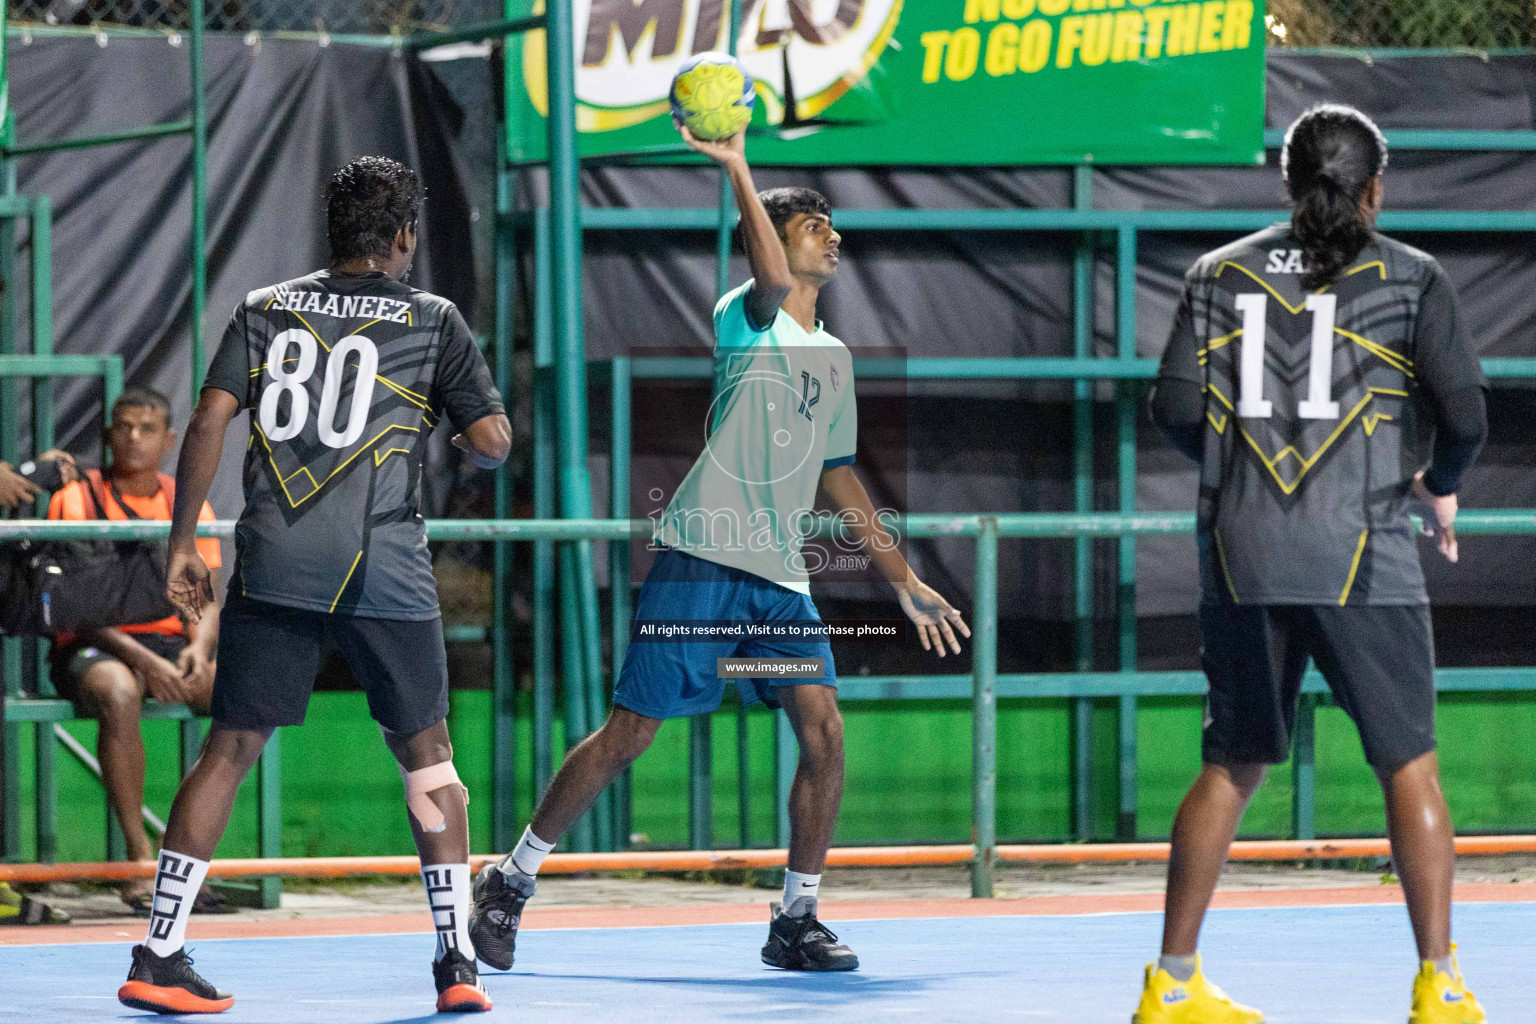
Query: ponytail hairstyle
x,y
1331,155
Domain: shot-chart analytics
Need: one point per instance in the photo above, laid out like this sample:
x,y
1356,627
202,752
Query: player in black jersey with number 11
x,y
1304,366
345,373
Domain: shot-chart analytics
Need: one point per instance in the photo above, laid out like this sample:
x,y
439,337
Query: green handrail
x,y
154,131
1010,525
476,33
985,686
607,218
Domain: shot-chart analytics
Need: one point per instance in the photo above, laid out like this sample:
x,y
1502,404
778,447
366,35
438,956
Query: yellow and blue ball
x,y
712,94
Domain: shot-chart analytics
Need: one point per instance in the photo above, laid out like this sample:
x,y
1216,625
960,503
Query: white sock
x,y
1180,968
799,887
528,856
448,889
176,884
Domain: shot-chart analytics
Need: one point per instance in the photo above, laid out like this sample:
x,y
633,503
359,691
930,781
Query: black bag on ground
x,y
52,587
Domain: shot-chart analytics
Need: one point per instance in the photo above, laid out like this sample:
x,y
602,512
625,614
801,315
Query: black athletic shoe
x,y
458,985
498,908
804,943
169,985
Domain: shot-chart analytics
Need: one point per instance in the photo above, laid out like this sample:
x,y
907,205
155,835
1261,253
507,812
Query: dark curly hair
x,y
141,396
784,204
1331,155
367,203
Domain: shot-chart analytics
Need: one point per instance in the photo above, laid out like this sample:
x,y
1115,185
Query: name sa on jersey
x,y
1284,261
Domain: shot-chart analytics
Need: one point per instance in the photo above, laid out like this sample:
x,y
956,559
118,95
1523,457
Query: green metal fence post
x,y
199,196
503,683
984,711
12,650
45,797
572,669
42,400
1126,412
543,508
786,755
701,727
571,367
1304,771
743,779
10,748
10,435
620,570
1082,501
592,663
701,818
269,817
117,844
190,734
722,285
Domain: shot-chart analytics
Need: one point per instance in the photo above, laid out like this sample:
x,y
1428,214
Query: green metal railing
x,y
563,556
985,685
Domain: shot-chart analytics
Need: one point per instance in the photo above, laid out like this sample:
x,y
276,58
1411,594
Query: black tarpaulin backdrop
x,y
285,114
1007,446
282,116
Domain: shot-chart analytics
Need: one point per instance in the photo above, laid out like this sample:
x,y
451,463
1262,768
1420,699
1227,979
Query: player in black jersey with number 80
x,y
345,373
1305,363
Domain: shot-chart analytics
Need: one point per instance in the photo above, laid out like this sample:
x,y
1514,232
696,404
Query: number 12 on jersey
x,y
330,390
1318,405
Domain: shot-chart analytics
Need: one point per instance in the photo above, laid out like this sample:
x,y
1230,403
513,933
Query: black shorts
x,y
68,663
269,654
1378,661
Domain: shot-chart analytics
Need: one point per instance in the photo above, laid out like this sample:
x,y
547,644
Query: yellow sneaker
x,y
16,908
1440,998
1166,1000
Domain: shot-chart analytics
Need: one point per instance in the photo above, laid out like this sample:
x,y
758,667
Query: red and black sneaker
x,y
458,985
168,984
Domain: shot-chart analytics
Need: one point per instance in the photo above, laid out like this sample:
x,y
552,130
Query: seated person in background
x,y
17,486
108,671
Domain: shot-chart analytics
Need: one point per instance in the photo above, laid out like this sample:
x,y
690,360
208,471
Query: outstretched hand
x,y
933,616
15,489
1440,523
721,151
189,584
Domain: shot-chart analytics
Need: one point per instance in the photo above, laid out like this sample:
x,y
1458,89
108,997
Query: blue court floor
x,y
1314,965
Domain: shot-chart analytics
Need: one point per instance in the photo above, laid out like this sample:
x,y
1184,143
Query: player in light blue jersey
x,y
782,424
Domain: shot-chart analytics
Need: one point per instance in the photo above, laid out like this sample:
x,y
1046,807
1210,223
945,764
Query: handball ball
x,y
712,94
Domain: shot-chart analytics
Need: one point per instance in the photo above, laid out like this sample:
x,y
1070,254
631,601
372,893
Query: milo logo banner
x,y
922,81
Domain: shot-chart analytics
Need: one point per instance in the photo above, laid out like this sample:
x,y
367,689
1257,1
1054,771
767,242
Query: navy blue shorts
x,y
269,654
674,678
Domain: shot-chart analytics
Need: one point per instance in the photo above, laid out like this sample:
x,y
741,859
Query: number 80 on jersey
x,y
292,382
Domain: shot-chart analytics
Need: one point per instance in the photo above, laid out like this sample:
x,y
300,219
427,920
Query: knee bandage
x,y
424,781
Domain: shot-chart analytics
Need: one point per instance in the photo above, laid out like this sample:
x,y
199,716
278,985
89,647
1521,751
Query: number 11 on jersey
x,y
1319,404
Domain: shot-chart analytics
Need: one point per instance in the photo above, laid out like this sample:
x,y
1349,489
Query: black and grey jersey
x,y
345,376
1315,421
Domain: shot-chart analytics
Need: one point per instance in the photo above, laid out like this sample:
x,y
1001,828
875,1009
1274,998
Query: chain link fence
x,y
1481,24
375,17
1418,24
